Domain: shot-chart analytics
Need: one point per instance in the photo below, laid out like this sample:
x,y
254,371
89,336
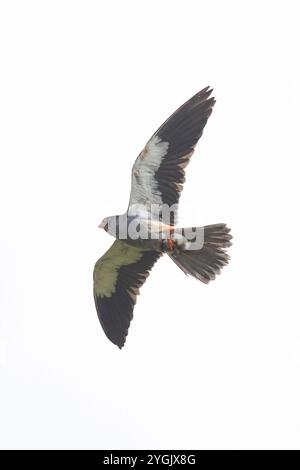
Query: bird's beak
x,y
103,224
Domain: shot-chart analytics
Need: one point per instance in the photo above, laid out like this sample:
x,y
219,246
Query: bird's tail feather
x,y
206,262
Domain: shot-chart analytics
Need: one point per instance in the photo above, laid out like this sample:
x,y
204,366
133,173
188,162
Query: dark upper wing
x,y
158,172
118,275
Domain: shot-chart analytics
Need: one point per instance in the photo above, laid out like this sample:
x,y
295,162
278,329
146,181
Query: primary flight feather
x,y
148,229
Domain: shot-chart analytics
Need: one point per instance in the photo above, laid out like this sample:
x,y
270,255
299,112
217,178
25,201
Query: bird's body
x,y
148,229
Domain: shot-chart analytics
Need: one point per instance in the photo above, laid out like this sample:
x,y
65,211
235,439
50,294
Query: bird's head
x,y
104,224
111,224
115,225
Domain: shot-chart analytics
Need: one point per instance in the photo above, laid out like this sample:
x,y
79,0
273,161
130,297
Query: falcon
x,y
148,229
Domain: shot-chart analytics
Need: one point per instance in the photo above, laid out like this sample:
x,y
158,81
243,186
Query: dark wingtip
x,y
206,89
204,96
206,92
119,342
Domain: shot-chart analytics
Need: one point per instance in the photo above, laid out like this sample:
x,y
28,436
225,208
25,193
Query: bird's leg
x,y
167,245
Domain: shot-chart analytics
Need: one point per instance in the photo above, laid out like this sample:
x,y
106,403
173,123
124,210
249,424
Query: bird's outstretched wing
x,y
118,275
158,172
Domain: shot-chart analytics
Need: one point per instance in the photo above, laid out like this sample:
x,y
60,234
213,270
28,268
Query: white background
x,y
83,85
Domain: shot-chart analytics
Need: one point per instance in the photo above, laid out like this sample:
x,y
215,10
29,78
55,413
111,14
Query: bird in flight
x,y
148,229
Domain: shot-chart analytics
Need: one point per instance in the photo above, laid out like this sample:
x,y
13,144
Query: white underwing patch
x,y
144,188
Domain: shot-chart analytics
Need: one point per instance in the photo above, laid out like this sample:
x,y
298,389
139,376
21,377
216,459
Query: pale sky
x,y
83,85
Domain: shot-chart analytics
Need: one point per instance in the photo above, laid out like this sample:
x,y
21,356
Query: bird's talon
x,y
167,244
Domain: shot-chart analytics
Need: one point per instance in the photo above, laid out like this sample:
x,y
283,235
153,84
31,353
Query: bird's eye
x,y
106,227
